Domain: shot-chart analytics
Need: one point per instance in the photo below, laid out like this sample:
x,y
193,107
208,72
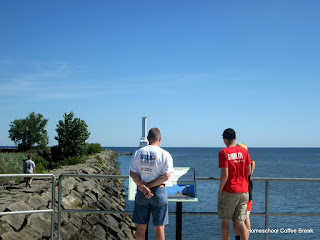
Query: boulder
x,y
12,235
15,221
41,223
70,202
36,202
19,206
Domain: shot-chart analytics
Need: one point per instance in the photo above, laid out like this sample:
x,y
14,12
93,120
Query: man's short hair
x,y
154,135
229,134
29,156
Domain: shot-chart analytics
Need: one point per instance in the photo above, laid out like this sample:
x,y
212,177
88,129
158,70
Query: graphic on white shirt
x,y
147,163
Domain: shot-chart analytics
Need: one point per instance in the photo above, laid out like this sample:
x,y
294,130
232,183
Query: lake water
x,y
294,197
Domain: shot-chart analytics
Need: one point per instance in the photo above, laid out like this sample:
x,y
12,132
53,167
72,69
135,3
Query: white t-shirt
x,y
28,166
151,162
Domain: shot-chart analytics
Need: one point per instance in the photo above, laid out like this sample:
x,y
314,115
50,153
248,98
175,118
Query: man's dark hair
x,y
229,134
154,135
29,156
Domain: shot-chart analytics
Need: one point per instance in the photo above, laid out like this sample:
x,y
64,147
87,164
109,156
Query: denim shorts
x,y
157,206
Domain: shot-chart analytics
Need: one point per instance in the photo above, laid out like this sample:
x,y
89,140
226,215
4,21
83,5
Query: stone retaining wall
x,y
78,193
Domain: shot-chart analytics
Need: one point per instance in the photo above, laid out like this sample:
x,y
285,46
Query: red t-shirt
x,y
236,160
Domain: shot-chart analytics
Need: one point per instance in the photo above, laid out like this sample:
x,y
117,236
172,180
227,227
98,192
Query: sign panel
x,y
181,186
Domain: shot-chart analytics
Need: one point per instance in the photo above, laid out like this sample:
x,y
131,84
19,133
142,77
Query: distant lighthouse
x,y
144,141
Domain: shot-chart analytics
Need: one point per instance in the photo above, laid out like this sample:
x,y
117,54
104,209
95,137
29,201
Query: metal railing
x,y
52,210
266,212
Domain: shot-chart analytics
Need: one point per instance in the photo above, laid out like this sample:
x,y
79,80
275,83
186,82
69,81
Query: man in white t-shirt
x,y
150,167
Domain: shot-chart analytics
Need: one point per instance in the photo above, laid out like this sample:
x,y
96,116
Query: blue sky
x,y
193,68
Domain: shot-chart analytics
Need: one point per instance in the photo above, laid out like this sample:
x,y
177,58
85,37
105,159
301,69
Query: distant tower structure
x,y
144,141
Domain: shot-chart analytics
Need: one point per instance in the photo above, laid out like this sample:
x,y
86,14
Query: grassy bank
x,y
12,163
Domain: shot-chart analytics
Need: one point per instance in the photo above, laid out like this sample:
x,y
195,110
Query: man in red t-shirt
x,y
235,164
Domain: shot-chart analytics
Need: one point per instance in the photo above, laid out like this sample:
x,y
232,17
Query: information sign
x,y
181,186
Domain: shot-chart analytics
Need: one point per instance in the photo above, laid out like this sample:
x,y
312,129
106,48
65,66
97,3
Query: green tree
x,y
30,132
72,135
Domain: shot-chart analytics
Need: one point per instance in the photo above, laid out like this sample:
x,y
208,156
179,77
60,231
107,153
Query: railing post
x,y
179,221
53,203
266,221
59,207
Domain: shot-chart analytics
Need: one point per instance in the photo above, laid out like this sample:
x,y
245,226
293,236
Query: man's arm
x,y
158,181
253,166
249,169
223,179
140,184
136,178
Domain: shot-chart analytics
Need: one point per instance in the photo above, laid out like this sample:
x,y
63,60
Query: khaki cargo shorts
x,y
233,205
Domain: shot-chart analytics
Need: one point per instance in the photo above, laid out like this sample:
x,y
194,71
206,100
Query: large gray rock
x,y
41,223
31,234
70,202
12,235
37,202
99,232
15,221
19,206
4,227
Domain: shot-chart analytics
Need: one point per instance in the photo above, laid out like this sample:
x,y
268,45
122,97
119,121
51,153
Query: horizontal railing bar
x,y
208,178
294,214
254,214
198,178
45,175
267,179
128,212
26,212
126,177
286,179
95,211
92,175
190,213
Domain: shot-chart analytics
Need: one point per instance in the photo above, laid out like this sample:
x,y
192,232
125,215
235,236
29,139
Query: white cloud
x,y
40,80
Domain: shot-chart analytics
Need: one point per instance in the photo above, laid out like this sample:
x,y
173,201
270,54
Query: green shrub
x,y
93,148
72,136
73,161
30,132
42,165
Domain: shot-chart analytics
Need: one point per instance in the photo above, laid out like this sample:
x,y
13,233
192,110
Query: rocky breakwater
x,y
77,193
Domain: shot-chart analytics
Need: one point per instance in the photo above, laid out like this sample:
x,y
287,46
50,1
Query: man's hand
x,y
146,191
